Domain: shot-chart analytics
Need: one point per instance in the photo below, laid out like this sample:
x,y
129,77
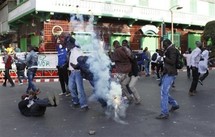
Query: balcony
x,y
106,9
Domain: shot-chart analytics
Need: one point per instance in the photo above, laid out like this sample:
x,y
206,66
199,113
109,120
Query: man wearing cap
x,y
75,79
194,62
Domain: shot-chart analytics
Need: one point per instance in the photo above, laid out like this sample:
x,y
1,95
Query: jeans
x,y
31,74
146,67
165,96
77,89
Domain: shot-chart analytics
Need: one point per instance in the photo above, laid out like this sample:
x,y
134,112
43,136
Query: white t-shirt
x,y
75,53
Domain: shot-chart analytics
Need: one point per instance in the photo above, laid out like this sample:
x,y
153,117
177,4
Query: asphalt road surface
x,y
195,118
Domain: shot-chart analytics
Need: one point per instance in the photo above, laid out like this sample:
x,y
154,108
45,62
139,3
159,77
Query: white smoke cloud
x,y
99,62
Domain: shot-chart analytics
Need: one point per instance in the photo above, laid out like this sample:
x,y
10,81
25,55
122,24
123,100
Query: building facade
x,y
144,23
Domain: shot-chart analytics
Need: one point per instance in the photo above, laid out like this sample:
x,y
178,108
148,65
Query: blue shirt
x,y
62,56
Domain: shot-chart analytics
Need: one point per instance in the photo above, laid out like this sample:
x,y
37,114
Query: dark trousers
x,y
204,76
7,77
188,71
63,77
21,75
159,70
195,75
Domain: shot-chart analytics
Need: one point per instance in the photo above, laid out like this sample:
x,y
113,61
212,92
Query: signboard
x,y
45,61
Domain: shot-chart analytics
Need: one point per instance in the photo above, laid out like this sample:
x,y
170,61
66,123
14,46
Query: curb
x,y
45,80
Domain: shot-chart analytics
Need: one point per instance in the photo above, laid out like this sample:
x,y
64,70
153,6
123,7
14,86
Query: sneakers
x,y
68,94
173,108
162,116
4,85
201,82
61,94
20,84
192,94
37,91
13,85
86,108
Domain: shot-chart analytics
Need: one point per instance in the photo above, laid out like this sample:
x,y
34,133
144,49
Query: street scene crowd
x,y
126,68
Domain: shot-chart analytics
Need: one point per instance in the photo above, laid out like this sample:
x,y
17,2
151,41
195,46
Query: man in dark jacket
x,y
169,73
84,67
122,56
30,105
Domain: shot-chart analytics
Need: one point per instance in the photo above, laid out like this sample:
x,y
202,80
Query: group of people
x,y
197,63
28,61
73,67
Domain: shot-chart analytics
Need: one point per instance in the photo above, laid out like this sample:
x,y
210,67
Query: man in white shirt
x,y
203,66
75,79
187,56
194,62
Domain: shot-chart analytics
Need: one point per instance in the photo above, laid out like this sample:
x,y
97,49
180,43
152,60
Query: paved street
x,y
195,118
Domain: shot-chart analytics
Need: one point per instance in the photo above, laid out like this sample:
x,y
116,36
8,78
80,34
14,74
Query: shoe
x,y
68,94
85,109
75,105
37,91
194,91
20,84
56,99
138,102
173,108
192,94
173,86
32,95
200,82
13,85
51,99
4,85
162,116
61,94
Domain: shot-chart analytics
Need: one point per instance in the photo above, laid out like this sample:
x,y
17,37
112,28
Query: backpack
x,y
179,61
138,56
154,57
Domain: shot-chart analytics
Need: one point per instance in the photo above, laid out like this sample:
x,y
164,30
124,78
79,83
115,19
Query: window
x,y
211,9
193,6
120,1
173,2
143,2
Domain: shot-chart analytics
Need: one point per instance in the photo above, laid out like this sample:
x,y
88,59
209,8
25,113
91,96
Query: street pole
x,y
172,31
172,28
